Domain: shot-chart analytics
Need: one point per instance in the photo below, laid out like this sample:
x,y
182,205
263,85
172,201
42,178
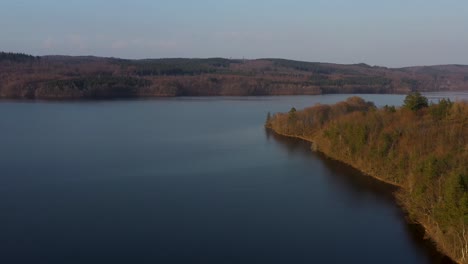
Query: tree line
x,y
421,146
17,57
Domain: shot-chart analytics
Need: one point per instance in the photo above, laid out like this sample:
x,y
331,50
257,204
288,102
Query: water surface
x,y
187,180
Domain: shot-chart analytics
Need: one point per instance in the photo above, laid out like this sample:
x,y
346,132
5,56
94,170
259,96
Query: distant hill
x,y
68,77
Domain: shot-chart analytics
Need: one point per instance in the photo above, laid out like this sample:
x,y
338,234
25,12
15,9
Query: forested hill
x,y
66,77
420,147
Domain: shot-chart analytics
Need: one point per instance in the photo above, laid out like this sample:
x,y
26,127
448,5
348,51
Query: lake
x,y
187,180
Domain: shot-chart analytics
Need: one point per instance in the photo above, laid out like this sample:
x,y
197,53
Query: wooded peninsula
x,y
24,76
420,147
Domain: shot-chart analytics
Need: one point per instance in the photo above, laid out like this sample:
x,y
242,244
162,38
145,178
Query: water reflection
x,y
357,185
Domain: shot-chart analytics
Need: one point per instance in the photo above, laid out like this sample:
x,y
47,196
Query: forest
x,y
421,147
55,77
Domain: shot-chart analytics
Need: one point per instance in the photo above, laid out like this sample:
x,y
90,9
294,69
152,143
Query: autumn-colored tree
x,y
423,152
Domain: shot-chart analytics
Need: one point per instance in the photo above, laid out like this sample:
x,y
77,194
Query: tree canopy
x,y
415,101
424,152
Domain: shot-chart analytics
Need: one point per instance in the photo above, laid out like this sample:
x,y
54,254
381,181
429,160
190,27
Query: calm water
x,y
191,180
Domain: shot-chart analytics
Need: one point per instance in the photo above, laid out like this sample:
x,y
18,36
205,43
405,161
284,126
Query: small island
x,y
422,148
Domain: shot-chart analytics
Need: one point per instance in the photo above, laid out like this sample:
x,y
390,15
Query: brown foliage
x,y
424,151
33,77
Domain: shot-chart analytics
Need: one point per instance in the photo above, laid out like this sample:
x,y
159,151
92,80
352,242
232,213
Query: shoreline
x,y
164,96
400,204
328,156
150,97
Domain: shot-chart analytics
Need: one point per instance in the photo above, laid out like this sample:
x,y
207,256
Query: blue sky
x,y
388,33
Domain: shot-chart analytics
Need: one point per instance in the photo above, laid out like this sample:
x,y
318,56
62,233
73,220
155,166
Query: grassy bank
x,y
421,148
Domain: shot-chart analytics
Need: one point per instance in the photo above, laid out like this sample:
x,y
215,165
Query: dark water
x,y
191,180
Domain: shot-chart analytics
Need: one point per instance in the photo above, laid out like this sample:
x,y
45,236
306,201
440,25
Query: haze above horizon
x,y
387,33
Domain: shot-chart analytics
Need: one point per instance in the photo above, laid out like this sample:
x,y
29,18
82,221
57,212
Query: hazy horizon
x,y
230,58
390,34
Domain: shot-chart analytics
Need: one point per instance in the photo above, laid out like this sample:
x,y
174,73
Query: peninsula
x,y
420,147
